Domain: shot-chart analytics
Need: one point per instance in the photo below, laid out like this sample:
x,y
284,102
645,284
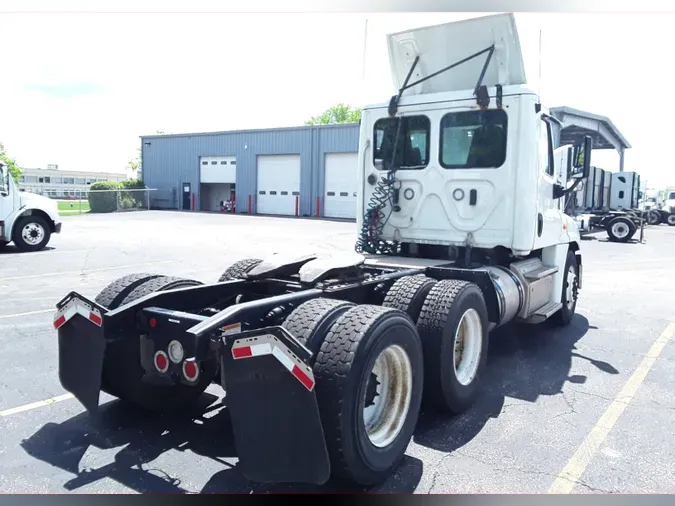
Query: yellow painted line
x,y
16,315
575,468
33,405
63,273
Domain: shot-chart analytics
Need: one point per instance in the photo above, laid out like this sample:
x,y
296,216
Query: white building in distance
x,y
56,183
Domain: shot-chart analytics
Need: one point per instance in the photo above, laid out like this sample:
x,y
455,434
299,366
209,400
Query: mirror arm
x,y
560,191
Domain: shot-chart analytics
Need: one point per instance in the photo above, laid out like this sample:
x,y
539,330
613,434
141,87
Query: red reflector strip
x,y
59,321
303,378
95,319
258,350
242,352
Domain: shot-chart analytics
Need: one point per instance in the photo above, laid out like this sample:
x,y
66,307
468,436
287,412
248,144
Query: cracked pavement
x,y
543,392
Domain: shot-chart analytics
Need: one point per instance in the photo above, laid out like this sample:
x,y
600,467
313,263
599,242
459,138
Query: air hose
x,y
375,219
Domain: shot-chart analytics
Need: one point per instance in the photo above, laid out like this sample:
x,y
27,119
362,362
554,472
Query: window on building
x,y
205,163
408,135
233,162
296,193
223,162
77,180
214,163
284,193
273,192
473,139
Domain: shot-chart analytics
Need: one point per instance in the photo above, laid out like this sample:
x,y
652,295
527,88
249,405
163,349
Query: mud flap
x,y
272,403
81,348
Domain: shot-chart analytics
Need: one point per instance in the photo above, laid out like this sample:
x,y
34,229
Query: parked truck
x,y
610,201
326,361
26,219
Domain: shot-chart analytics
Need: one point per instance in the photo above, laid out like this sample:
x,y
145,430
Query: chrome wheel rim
x,y
388,396
32,233
467,347
620,230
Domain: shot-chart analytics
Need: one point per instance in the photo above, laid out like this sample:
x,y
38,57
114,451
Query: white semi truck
x,y
327,361
26,219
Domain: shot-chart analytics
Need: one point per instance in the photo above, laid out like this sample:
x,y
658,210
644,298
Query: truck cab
x,y
26,219
466,158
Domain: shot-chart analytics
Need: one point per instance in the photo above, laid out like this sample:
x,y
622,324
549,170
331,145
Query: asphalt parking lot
x,y
585,409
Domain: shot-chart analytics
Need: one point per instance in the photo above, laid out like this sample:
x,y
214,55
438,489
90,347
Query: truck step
x,y
541,272
545,312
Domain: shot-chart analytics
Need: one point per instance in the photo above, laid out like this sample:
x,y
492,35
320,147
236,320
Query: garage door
x,y
340,185
218,169
278,184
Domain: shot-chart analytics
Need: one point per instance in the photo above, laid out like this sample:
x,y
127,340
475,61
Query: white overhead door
x,y
340,185
278,184
218,169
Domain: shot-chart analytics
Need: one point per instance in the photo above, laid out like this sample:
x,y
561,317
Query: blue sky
x,y
78,89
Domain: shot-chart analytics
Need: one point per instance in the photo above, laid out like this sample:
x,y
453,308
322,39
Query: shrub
x,y
131,199
104,202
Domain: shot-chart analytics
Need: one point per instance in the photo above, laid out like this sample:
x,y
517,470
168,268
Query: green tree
x,y
340,113
14,169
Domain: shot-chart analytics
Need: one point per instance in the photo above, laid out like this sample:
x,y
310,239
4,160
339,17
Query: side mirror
x,y
581,158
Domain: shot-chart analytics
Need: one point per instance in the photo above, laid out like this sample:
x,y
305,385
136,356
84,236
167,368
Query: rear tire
x,y
365,444
408,294
451,378
621,229
670,220
122,370
653,218
238,269
311,321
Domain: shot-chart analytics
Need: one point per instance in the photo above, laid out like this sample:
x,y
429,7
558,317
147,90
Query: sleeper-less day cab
x,y
26,219
327,360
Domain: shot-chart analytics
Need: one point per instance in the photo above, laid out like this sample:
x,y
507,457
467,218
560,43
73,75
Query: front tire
x,y
369,380
670,220
31,233
453,326
569,294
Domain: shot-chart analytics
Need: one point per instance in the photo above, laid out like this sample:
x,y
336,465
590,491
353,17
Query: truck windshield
x,y
4,180
473,139
412,143
671,196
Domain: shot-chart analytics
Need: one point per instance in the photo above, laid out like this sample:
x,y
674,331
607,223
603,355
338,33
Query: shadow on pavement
x,y
524,362
10,249
143,437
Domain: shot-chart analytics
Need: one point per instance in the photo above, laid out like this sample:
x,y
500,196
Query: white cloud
x,y
201,72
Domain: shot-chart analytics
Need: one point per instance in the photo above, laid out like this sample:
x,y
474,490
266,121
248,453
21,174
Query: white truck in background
x,y
26,219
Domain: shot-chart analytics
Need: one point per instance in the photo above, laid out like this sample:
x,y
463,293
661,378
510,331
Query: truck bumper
x,y
57,227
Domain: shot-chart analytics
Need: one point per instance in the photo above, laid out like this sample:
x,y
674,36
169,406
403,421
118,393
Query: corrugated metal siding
x,y
169,161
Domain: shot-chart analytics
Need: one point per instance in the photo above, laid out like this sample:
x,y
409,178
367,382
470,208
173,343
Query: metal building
x,y
301,171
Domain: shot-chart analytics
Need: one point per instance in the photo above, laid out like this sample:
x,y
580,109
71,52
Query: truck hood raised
x,y
442,45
